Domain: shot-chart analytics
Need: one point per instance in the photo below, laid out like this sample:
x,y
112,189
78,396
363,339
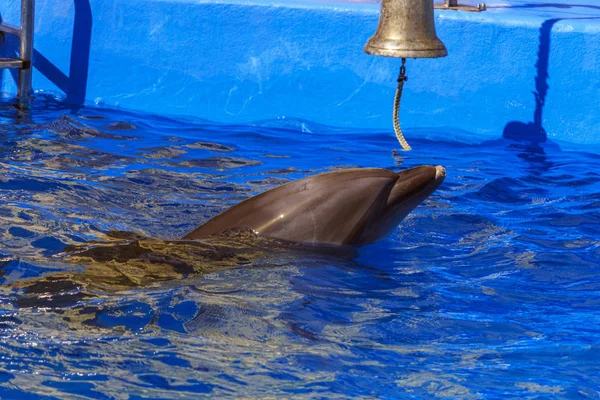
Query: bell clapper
x,y
395,117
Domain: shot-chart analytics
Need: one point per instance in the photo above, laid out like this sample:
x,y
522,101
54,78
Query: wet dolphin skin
x,y
348,207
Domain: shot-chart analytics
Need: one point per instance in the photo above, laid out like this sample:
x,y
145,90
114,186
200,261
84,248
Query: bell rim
x,y
405,53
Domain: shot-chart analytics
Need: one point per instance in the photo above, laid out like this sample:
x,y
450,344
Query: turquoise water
x,y
488,290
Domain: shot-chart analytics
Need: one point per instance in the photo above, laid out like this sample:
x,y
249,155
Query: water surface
x,y
490,289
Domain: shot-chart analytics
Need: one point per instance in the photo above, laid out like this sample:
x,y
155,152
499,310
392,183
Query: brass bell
x,y
406,30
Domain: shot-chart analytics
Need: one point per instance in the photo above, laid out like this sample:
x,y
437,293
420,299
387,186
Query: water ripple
x,y
489,290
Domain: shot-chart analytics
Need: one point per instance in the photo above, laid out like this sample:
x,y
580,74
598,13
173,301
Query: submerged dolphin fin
x,y
349,207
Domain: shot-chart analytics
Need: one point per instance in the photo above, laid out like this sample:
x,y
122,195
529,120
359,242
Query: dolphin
x,y
342,208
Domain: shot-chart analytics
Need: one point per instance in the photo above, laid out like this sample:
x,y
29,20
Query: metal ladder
x,y
453,5
25,35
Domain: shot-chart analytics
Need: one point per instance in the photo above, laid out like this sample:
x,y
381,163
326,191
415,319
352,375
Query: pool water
x,y
489,289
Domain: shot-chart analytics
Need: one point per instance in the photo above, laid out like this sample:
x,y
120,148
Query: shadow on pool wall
x,y
74,86
531,135
534,131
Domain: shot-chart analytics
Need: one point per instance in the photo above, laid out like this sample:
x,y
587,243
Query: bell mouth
x,y
401,49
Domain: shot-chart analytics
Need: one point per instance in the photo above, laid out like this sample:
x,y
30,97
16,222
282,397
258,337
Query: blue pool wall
x,y
527,69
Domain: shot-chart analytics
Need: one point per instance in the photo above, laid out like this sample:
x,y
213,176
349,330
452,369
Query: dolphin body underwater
x,y
323,214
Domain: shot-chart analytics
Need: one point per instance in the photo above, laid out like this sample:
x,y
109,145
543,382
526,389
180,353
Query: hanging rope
x,y
395,118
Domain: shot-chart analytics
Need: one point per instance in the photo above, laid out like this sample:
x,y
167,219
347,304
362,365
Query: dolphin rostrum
x,y
348,207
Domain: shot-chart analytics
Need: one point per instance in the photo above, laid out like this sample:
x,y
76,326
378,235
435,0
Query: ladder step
x,y
11,63
11,30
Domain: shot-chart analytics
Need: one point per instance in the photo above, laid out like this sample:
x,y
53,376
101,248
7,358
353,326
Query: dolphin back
x,y
330,208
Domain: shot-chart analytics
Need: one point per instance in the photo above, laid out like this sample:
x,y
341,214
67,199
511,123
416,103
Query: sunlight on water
x,y
488,290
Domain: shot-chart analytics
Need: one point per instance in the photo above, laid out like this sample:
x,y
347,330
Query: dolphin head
x,y
347,207
410,188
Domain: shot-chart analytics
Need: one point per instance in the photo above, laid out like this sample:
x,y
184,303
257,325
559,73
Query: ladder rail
x,y
26,48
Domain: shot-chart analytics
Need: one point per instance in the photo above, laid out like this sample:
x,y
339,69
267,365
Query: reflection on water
x,y
489,290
